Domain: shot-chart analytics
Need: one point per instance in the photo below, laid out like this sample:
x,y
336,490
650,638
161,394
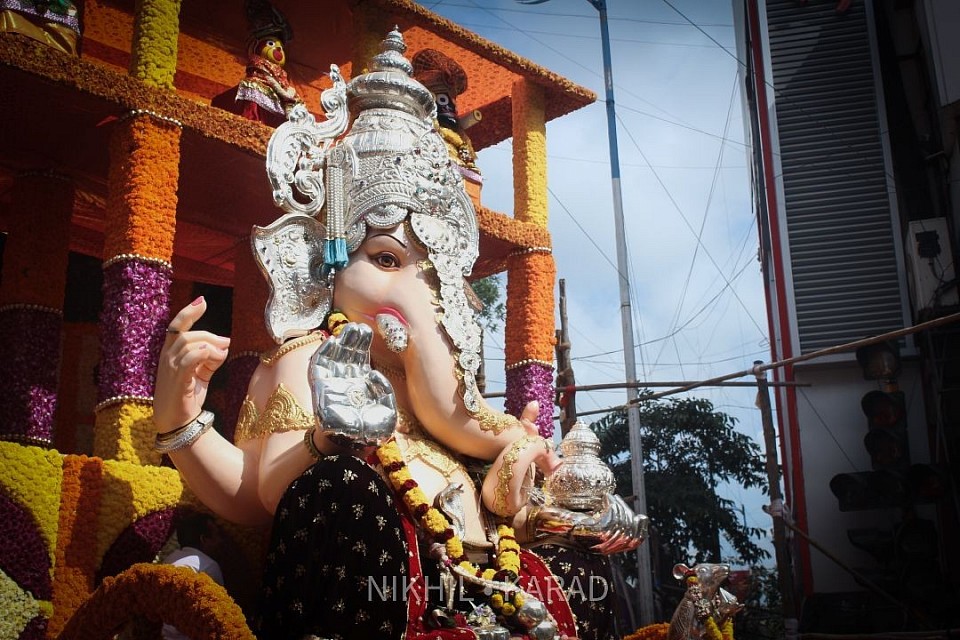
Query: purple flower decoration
x,y
136,305
30,344
23,555
140,542
528,382
36,629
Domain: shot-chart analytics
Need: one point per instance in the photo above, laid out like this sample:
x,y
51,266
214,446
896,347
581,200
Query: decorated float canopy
x,y
223,189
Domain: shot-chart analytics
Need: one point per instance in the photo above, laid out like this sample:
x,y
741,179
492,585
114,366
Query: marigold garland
x,y
529,153
715,632
80,498
193,602
125,431
530,334
656,631
142,188
156,30
435,523
508,550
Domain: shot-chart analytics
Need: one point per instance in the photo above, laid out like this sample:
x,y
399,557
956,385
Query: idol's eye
x,y
442,99
386,260
270,43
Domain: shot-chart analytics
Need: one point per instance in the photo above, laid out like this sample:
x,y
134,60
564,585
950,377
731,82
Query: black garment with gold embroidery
x,y
337,563
588,584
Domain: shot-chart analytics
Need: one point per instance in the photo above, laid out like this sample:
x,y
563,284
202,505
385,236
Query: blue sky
x,y
691,234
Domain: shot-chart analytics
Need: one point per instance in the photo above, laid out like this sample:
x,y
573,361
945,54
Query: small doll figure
x,y
446,79
266,94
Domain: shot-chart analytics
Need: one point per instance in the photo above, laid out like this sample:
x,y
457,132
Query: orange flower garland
x,y
142,200
530,334
437,525
76,554
656,631
193,602
506,599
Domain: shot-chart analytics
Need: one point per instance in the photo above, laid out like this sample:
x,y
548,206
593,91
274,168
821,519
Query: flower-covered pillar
x,y
138,246
31,305
531,272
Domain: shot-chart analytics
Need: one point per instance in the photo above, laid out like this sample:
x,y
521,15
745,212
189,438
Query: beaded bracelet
x,y
185,435
311,445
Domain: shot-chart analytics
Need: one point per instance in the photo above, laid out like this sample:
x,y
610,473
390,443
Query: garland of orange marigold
x,y
656,631
440,530
193,602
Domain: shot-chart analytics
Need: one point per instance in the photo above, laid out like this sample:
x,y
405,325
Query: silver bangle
x,y
185,435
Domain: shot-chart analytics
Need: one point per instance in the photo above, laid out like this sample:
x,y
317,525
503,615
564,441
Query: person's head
x,y
200,531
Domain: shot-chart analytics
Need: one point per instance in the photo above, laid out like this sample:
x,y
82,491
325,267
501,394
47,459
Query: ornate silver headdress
x,y
391,167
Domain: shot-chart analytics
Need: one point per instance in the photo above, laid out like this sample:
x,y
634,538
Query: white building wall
x,y
832,427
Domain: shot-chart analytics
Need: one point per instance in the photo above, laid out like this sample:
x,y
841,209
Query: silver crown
x,y
392,166
583,481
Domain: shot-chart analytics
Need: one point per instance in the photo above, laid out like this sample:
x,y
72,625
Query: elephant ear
x,y
289,252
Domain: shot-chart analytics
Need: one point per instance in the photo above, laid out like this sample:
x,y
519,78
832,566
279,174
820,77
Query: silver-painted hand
x,y
612,529
355,404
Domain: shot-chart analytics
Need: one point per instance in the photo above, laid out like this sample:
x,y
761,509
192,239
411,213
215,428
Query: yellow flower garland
x,y
32,477
436,524
157,31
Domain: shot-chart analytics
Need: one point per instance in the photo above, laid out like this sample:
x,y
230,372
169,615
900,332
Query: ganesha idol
x,y
402,504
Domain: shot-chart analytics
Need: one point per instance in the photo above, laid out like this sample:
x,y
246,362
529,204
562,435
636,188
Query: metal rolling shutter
x,y
837,211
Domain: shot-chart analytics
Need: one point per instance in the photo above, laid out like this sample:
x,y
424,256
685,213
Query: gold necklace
x,y
269,358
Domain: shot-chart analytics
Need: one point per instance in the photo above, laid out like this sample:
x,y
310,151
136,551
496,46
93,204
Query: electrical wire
x,y
580,15
703,220
779,94
826,428
689,226
562,34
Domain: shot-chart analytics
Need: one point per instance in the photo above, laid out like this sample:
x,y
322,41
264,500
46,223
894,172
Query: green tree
x,y
689,448
489,291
